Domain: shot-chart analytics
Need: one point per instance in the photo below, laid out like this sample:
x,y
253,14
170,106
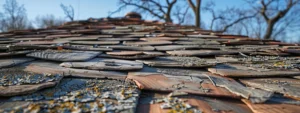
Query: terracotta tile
x,y
292,51
82,38
119,39
156,53
254,95
32,39
200,52
93,31
54,68
125,53
15,53
105,64
41,42
95,42
251,73
239,42
148,43
134,48
62,36
203,36
280,43
159,82
87,48
159,39
186,62
272,107
232,36
8,42
20,82
13,62
176,47
287,86
64,55
130,57
33,35
240,71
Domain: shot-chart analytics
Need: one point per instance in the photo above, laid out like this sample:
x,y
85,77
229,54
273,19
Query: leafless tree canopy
x,y
14,17
69,11
48,21
161,9
277,14
268,19
181,14
227,18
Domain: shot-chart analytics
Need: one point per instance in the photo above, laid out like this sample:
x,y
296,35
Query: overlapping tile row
x,y
120,64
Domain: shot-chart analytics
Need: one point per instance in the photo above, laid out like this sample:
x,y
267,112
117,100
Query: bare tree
x,y
273,11
156,8
14,16
196,7
69,11
230,17
181,13
48,21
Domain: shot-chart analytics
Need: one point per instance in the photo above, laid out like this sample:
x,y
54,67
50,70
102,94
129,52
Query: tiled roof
x,y
132,65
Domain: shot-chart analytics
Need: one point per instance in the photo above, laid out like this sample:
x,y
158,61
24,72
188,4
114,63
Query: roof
x,y
133,65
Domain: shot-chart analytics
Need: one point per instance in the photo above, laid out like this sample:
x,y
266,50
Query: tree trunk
x,y
197,19
269,30
168,17
197,13
196,9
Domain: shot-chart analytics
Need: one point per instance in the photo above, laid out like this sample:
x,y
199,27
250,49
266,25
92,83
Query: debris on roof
x,y
131,65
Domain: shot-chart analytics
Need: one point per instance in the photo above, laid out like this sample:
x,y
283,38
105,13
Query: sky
x,y
85,9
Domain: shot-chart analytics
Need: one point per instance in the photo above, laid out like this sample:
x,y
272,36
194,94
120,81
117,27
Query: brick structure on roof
x,y
133,15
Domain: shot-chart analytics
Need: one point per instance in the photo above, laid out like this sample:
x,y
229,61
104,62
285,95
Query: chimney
x,y
133,15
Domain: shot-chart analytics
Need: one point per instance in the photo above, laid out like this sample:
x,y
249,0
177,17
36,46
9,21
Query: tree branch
x,y
237,21
264,9
145,8
192,5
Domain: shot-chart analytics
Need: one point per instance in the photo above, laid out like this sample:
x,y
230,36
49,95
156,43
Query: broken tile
x,y
287,86
50,67
80,95
16,81
160,82
196,104
254,95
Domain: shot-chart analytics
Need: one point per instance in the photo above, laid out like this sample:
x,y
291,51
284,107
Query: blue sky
x,y
92,8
